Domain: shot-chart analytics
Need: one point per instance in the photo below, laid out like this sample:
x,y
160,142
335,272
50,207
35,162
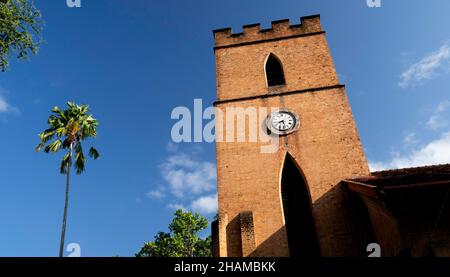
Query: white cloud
x,y
426,68
410,139
190,183
438,119
187,176
435,152
156,194
5,107
377,166
205,204
176,206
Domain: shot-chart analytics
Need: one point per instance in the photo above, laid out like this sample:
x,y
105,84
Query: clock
x,y
282,122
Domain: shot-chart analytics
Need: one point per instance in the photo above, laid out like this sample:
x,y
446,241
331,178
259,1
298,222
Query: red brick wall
x,y
326,146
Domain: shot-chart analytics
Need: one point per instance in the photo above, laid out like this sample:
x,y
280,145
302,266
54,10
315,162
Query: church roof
x,y
405,178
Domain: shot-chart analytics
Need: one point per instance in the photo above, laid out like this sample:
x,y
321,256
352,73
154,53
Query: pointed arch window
x,y
297,208
274,71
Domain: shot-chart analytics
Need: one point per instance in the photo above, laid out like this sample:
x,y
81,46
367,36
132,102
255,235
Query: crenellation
x,y
280,25
279,29
252,29
221,34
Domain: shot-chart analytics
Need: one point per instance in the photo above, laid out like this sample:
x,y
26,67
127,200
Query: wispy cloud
x,y
176,206
185,175
410,139
205,204
434,152
439,118
426,68
156,194
189,181
5,106
378,166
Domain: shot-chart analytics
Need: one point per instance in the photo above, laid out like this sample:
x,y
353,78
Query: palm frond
x,y
66,163
59,112
70,127
61,131
53,147
93,153
40,146
46,135
79,158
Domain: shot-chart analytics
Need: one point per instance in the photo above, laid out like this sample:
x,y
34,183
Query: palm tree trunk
x,y
66,204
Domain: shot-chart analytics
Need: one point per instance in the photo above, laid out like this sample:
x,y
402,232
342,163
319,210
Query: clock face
x,y
282,122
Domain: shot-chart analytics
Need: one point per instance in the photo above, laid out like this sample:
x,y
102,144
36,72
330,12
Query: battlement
x,y
280,29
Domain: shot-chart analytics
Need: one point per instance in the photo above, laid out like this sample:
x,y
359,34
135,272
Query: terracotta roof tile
x,y
406,176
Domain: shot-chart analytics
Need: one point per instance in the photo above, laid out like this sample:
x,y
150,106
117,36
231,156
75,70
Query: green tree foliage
x,y
67,129
20,28
182,240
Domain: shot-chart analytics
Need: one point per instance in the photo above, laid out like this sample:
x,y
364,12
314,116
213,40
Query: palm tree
x,y
68,129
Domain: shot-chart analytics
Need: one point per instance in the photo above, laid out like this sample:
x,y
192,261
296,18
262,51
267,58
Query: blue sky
x,y
134,61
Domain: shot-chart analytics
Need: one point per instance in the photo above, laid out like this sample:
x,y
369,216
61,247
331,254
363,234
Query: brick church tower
x,y
289,202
